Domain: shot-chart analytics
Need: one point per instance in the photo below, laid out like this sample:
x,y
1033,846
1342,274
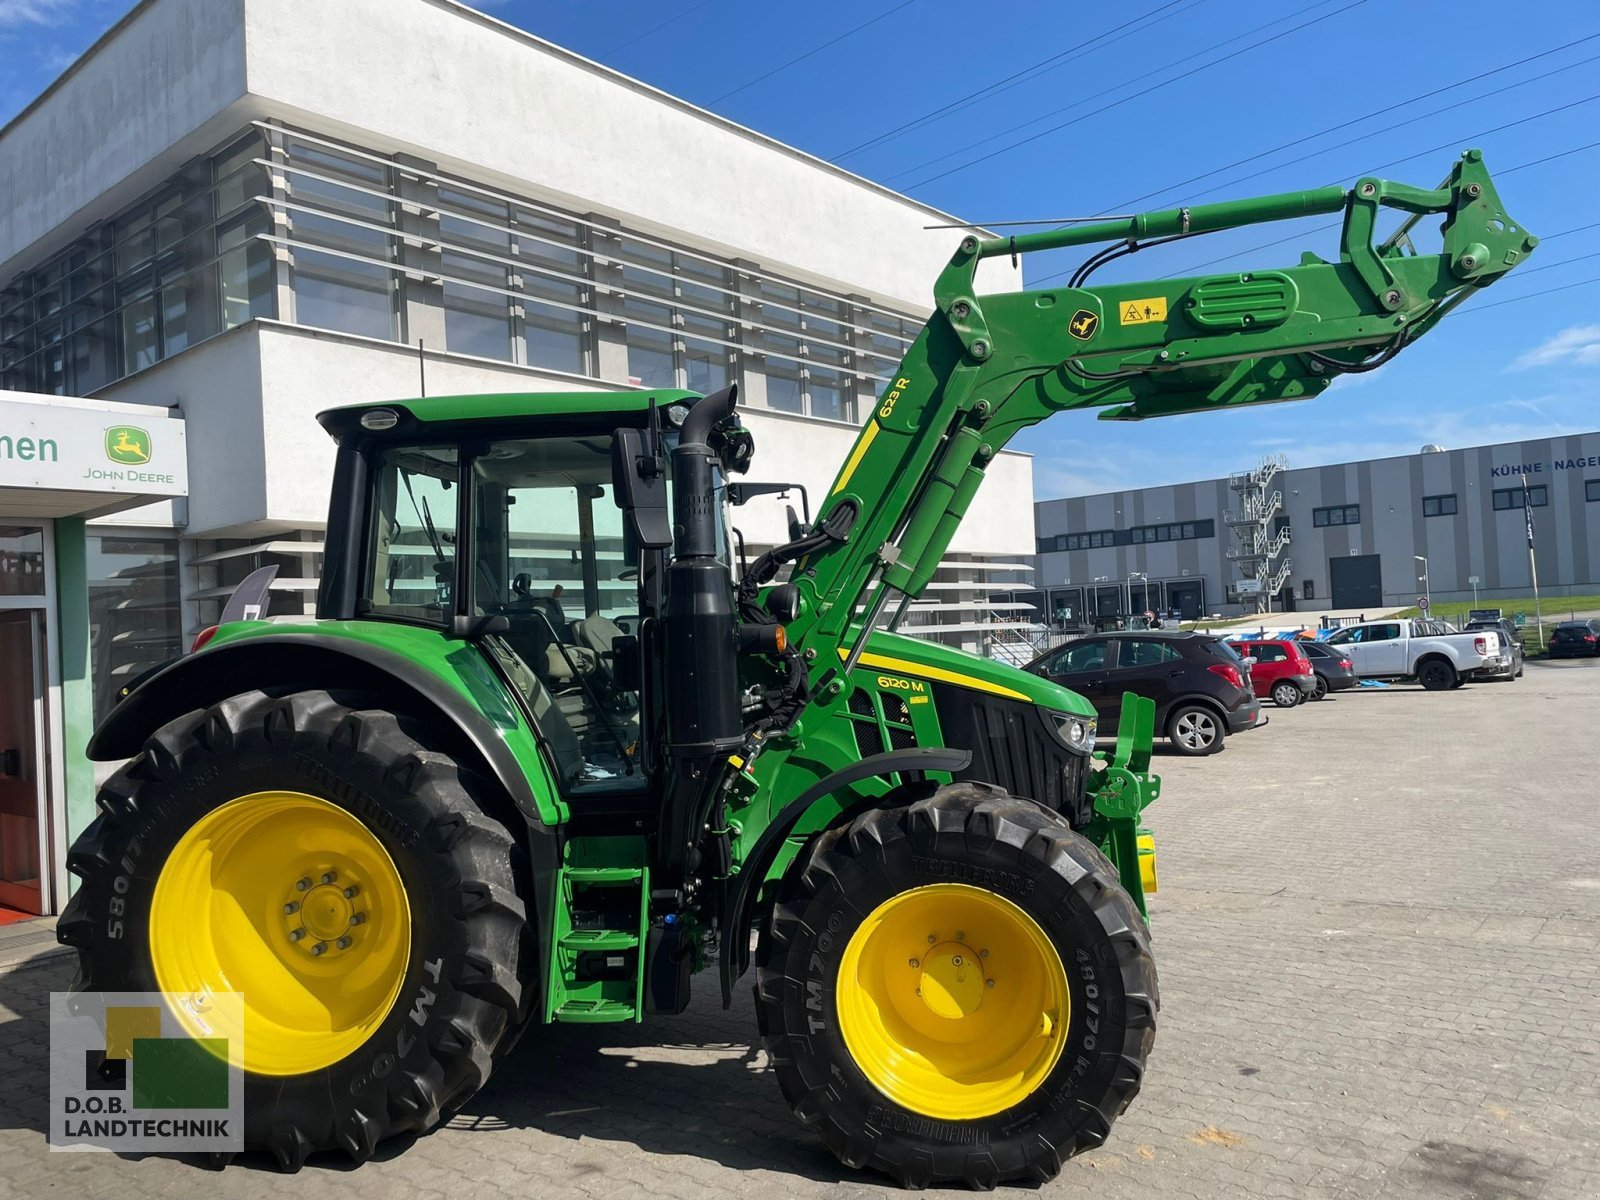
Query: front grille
x,y
1013,748
864,717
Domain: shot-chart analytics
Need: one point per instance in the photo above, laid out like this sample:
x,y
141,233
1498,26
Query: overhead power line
x,y
1539,295
1455,142
657,28
1059,59
1031,138
1377,112
833,41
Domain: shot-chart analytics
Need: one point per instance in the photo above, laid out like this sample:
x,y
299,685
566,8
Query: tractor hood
x,y
894,654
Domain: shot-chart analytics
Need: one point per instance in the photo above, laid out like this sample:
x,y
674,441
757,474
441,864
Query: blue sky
x,y
1150,114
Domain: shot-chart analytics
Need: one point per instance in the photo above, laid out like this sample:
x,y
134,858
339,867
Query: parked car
x,y
1510,636
1280,670
1573,638
1420,649
1333,668
1200,685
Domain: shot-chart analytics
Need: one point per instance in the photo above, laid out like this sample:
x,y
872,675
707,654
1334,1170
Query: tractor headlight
x,y
1076,733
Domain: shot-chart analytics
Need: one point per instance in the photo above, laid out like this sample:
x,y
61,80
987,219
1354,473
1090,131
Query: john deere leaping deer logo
x,y
127,445
1083,324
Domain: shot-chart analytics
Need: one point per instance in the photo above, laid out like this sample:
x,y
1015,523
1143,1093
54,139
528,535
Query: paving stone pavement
x,y
1377,935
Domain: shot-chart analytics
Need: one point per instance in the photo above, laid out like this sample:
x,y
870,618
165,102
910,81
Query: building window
x,y
361,242
476,264
1140,535
1338,514
1509,498
1591,489
134,619
342,223
1439,506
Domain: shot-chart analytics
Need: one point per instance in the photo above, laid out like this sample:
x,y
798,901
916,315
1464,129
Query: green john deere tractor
x,y
544,755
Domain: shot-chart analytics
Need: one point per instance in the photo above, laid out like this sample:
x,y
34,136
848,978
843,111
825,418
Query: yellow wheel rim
x,y
294,904
953,1002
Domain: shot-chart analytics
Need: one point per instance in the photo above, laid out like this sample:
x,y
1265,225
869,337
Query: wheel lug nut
x,y
350,892
955,960
329,876
915,964
961,935
343,943
319,949
302,885
983,954
296,934
358,918
291,908
988,983
932,938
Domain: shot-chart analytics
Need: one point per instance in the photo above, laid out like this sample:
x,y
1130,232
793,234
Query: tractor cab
x,y
512,530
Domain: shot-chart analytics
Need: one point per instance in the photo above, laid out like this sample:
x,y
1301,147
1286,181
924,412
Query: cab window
x,y
553,558
1382,633
412,535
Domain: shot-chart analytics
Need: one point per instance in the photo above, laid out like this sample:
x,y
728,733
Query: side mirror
x,y
626,663
783,602
483,625
638,473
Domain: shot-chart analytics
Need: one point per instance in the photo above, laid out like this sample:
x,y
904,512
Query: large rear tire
x,y
349,883
958,990
1437,675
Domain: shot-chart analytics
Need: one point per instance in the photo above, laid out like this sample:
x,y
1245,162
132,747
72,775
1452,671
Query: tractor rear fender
x,y
287,662
739,907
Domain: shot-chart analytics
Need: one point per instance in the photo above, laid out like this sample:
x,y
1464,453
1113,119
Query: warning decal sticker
x,y
1143,312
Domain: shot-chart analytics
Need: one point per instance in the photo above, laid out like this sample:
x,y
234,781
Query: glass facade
x,y
134,621
182,265
289,225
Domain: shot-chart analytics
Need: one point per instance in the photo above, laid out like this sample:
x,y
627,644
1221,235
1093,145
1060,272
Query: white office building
x,y
231,214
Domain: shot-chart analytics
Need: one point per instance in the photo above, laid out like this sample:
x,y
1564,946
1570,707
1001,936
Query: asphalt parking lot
x,y
1379,942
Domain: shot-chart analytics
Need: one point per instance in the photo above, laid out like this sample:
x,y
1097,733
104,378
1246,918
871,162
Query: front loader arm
x,y
986,367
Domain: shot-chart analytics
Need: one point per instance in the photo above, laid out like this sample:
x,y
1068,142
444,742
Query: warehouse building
x,y
1363,535
231,214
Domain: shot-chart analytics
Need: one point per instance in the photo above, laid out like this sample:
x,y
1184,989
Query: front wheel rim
x,y
292,902
953,1002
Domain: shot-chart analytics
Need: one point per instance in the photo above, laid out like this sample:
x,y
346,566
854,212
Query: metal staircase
x,y
1258,551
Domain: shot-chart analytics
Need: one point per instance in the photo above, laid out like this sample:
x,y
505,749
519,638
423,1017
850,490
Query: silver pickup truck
x,y
1424,650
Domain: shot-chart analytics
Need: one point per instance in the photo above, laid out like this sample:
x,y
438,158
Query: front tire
x,y
348,882
958,990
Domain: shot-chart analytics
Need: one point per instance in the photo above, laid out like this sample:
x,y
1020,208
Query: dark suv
x,y
1200,686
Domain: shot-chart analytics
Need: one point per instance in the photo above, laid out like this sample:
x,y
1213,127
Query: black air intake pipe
x,y
701,688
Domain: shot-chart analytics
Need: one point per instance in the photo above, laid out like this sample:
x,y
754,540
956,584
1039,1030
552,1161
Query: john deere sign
x,y
127,445
81,446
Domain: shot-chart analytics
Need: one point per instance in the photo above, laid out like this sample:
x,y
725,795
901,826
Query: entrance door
x,y
1356,581
1186,597
22,792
